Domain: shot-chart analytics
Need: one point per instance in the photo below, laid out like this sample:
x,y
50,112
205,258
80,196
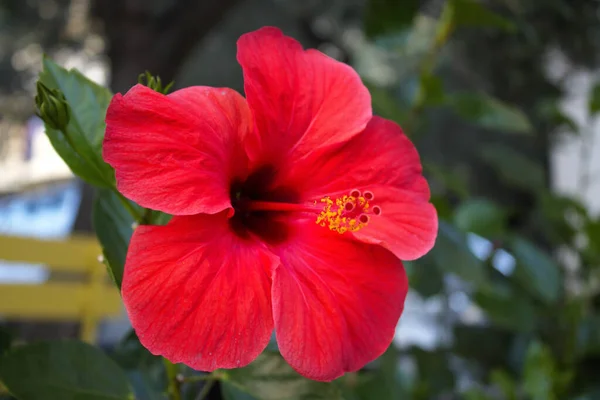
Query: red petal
x,y
407,225
197,294
382,160
177,153
336,302
300,99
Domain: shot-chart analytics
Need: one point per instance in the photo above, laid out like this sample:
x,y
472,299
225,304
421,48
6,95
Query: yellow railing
x,y
88,298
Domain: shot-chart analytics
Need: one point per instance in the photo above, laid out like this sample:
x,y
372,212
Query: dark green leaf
x,y
65,370
550,109
488,112
505,383
450,179
81,145
5,340
485,344
536,271
386,105
113,226
452,255
594,100
506,308
514,168
480,216
384,383
389,16
538,374
271,378
424,276
473,13
231,392
588,336
145,370
433,369
432,90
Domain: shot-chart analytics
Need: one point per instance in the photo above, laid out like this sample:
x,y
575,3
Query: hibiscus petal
x,y
407,225
177,153
197,294
382,160
336,302
300,100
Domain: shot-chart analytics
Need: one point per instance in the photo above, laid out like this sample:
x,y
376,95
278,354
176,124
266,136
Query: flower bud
x,y
154,83
52,107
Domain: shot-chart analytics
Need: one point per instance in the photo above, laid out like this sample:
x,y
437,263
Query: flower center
x,y
263,210
349,212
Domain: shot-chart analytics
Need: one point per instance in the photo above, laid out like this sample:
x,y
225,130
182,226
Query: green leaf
x,y
505,383
389,16
452,180
271,378
472,13
424,276
65,370
538,374
113,225
594,99
146,371
588,336
488,112
480,216
386,105
384,383
506,308
452,255
434,371
81,145
6,340
488,345
432,90
536,271
514,168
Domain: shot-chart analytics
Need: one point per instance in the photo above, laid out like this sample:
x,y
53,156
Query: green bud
x,y
154,83
52,107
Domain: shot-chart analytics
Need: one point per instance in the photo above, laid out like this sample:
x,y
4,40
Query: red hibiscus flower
x,y
292,209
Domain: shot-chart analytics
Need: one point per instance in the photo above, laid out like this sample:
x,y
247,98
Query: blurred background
x,y
502,105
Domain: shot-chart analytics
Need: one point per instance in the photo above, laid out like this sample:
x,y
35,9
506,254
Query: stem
x,y
200,378
445,27
206,389
136,215
173,388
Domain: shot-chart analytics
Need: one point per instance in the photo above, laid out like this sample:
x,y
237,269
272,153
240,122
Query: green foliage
x,y
79,144
113,224
536,271
389,16
536,339
145,371
66,370
514,168
452,255
507,308
472,13
488,112
154,82
6,340
594,100
480,216
270,378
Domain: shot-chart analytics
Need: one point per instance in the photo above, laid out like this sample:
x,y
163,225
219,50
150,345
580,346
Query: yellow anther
x,y
346,213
